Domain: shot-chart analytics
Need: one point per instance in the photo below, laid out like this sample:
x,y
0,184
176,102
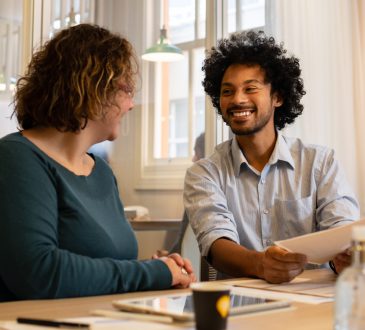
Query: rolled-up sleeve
x,y
206,206
336,202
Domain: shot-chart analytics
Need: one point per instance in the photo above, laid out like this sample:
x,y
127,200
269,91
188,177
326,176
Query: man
x,y
260,186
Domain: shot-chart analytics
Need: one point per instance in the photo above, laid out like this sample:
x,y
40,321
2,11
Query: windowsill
x,y
163,175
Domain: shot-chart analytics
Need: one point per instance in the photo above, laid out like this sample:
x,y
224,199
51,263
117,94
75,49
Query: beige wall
x,y
161,203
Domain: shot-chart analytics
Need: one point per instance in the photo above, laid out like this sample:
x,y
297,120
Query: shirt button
x,y
263,181
266,211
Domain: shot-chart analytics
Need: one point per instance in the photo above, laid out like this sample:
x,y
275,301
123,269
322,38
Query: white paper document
x,y
321,246
288,296
300,289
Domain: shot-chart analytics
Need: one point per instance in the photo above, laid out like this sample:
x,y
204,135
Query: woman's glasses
x,y
129,90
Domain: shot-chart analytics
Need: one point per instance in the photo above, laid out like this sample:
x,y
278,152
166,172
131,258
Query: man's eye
x,y
226,92
250,89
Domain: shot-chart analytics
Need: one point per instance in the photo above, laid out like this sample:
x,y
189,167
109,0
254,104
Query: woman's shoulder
x,y
14,145
12,137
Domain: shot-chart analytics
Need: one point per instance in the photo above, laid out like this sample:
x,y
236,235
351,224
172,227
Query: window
x,y
179,118
10,59
70,12
245,14
175,117
173,102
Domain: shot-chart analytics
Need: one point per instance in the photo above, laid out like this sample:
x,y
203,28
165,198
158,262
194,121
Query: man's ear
x,y
277,100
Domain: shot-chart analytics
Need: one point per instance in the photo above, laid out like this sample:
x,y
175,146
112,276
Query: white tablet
x,y
179,306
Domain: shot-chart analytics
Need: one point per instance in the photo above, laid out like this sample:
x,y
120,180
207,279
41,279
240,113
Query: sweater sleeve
x,y
32,265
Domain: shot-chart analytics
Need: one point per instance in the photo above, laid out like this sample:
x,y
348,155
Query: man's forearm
x,y
235,260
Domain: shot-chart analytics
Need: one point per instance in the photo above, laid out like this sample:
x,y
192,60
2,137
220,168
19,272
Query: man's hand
x,y
279,265
274,265
342,260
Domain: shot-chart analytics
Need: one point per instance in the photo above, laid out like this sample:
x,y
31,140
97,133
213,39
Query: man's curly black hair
x,y
281,70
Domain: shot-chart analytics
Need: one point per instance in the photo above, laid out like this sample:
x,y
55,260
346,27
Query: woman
x,y
63,232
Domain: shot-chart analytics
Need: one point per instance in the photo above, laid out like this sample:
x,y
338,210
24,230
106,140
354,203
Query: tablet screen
x,y
182,304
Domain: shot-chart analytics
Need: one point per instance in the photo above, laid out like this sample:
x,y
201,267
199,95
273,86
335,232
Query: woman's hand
x,y
181,270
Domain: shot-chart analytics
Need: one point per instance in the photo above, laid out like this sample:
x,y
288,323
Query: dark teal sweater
x,y
64,235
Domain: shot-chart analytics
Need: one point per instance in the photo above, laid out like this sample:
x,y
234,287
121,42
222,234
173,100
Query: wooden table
x,y
300,317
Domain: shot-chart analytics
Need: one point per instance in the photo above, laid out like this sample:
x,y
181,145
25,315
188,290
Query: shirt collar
x,y
237,156
281,153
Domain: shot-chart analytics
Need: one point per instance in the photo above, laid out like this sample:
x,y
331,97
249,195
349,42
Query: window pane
x,y
202,20
231,19
10,60
181,20
57,8
252,14
76,5
179,108
199,96
178,137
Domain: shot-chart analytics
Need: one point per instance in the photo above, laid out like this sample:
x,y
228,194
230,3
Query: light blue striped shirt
x,y
300,190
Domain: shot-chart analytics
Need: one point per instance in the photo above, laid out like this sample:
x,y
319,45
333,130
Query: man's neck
x,y
257,148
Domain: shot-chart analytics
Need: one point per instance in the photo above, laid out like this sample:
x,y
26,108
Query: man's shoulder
x,y
298,147
219,160
221,154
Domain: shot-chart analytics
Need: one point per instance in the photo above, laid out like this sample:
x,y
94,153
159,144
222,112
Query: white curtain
x,y
328,36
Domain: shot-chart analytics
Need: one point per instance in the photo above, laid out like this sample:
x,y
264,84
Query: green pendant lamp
x,y
163,51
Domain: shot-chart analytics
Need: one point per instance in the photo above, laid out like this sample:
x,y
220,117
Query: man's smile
x,y
241,113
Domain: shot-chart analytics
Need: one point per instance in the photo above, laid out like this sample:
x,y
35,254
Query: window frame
x,y
163,173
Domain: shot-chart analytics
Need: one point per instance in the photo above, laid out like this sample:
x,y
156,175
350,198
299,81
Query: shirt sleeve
x,y
336,202
32,265
206,206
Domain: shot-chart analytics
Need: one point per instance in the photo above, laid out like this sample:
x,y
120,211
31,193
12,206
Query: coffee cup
x,y
211,305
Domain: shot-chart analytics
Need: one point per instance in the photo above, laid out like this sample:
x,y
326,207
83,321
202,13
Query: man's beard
x,y
258,125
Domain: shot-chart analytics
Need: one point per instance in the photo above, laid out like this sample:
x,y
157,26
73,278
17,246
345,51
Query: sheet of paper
x,y
321,246
261,284
286,296
300,289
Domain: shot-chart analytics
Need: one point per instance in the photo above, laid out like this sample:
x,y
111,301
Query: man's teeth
x,y
241,114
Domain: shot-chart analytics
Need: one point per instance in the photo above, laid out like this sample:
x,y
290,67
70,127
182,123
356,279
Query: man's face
x,y
245,100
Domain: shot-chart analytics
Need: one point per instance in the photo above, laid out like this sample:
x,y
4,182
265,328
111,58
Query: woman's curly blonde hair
x,y
73,77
